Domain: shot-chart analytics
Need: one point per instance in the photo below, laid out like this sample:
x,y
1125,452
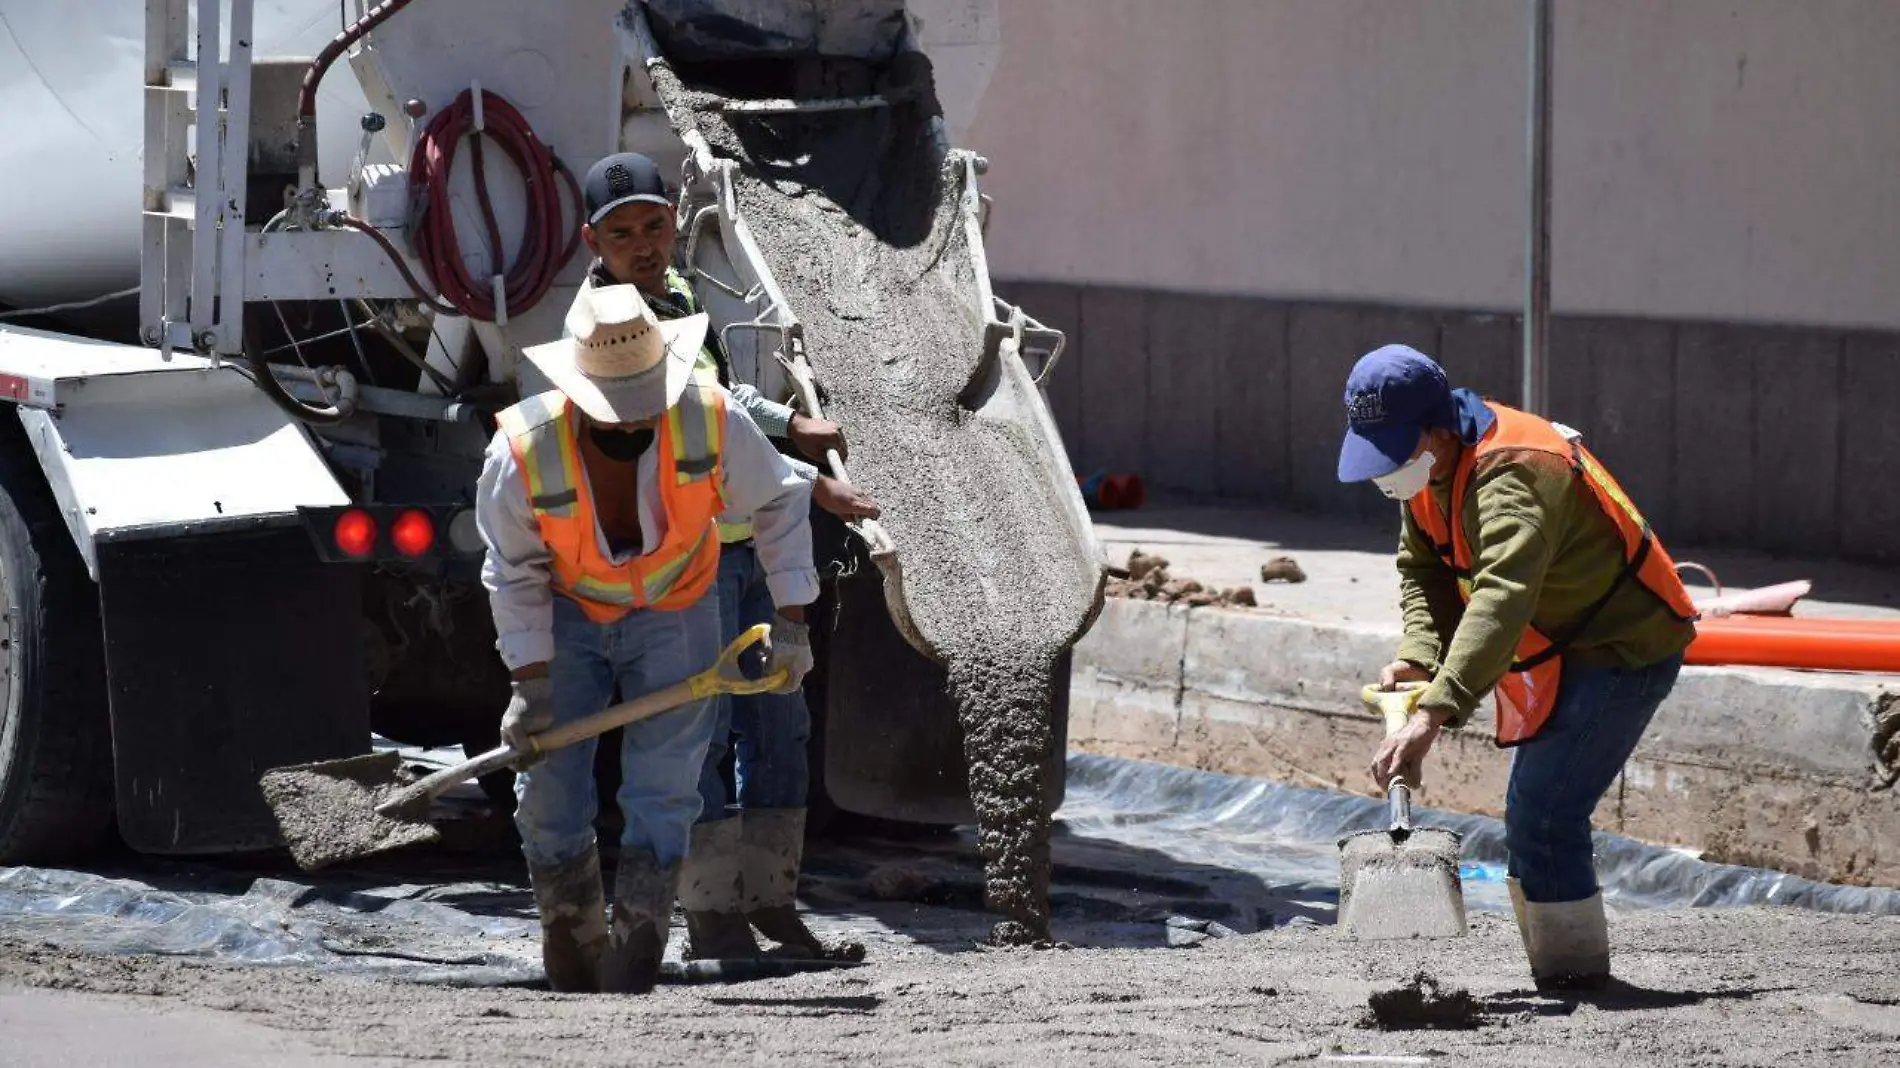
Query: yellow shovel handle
x,y
1396,706
725,675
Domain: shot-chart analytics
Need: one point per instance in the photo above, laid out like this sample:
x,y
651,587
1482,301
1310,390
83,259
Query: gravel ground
x,y
1743,987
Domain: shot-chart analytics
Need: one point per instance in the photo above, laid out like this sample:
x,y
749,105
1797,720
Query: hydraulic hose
x,y
258,369
396,257
313,77
548,240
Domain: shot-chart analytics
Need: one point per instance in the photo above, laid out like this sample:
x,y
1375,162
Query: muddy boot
x,y
716,927
643,908
774,840
1568,943
573,912
1517,909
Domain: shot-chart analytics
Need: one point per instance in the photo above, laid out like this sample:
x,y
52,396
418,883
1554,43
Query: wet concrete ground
x,y
1191,947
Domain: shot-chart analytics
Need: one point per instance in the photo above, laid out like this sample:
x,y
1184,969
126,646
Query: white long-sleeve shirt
x,y
758,483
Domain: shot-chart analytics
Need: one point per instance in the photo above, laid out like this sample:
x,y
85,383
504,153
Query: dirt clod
x,y
1141,565
1422,1002
1282,569
1146,578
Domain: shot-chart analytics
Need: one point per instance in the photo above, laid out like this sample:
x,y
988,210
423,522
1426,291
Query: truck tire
x,y
55,731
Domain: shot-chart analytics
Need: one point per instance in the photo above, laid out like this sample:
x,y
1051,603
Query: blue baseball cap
x,y
1393,394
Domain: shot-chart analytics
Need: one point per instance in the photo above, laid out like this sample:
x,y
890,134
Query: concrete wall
x,y
1713,159
1773,438
1764,768
1227,201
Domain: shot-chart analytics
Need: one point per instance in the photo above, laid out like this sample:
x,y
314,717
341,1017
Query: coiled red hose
x,y
548,240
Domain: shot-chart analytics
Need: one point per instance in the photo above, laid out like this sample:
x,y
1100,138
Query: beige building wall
x,y
1713,159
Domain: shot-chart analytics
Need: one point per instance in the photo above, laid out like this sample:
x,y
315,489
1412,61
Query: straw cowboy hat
x,y
620,364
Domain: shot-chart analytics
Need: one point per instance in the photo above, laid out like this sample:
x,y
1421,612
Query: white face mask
x,y
1410,479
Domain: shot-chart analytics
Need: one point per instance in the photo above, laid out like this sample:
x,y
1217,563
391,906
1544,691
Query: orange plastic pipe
x,y
1815,624
1793,643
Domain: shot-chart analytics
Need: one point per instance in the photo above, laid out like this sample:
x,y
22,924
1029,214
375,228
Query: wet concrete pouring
x,y
861,219
430,955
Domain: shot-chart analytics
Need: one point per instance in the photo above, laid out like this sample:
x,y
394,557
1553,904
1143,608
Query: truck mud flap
x,y
893,746
226,655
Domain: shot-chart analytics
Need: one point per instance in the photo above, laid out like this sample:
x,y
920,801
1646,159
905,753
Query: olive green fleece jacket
x,y
1542,553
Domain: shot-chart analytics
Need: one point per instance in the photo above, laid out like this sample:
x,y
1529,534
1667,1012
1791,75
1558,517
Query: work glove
x,y
530,711
791,650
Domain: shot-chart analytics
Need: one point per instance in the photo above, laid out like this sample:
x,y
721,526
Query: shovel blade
x,y
1393,887
326,812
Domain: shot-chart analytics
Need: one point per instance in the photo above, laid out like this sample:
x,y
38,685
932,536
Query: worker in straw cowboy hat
x,y
742,865
597,503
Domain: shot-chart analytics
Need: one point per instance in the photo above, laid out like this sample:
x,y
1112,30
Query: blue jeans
x,y
767,732
660,757
1558,776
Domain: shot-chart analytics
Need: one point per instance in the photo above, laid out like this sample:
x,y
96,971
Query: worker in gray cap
x,y
742,867
1526,571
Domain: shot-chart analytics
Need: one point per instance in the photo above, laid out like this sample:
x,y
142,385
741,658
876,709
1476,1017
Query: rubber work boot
x,y
636,938
1568,943
716,927
1517,909
573,912
774,847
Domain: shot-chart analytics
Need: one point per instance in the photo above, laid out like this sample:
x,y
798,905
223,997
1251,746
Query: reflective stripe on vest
x,y
704,372
673,575
1528,692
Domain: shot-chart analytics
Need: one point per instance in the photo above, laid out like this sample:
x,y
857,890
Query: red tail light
x,y
355,533
413,533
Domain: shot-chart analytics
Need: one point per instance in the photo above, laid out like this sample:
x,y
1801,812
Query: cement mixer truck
x,y
266,271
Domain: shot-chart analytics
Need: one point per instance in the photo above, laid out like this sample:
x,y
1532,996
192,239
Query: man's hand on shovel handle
x,y
1399,672
530,711
1402,752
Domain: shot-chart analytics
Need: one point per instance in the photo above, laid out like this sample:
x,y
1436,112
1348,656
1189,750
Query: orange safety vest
x,y
1528,692
671,576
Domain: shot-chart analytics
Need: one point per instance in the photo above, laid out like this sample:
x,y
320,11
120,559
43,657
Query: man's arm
x,y
761,484
1519,514
773,418
785,423
515,569
1428,597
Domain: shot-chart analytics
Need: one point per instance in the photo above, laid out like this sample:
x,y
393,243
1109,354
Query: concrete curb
x,y
1771,769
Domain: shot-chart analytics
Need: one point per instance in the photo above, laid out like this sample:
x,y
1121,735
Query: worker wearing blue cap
x,y
1524,571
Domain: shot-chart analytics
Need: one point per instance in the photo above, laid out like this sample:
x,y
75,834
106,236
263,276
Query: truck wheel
x,y
55,734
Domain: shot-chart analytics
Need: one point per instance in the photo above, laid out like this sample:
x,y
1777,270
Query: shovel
x,y
1401,882
337,810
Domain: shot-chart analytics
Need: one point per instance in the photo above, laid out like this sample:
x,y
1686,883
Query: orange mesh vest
x,y
668,577
1528,692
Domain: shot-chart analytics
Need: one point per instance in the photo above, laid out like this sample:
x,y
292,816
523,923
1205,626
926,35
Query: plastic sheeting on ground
x,y
1226,818
273,922
1146,855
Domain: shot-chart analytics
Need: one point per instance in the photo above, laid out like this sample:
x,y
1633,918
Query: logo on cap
x,y
619,181
1365,407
